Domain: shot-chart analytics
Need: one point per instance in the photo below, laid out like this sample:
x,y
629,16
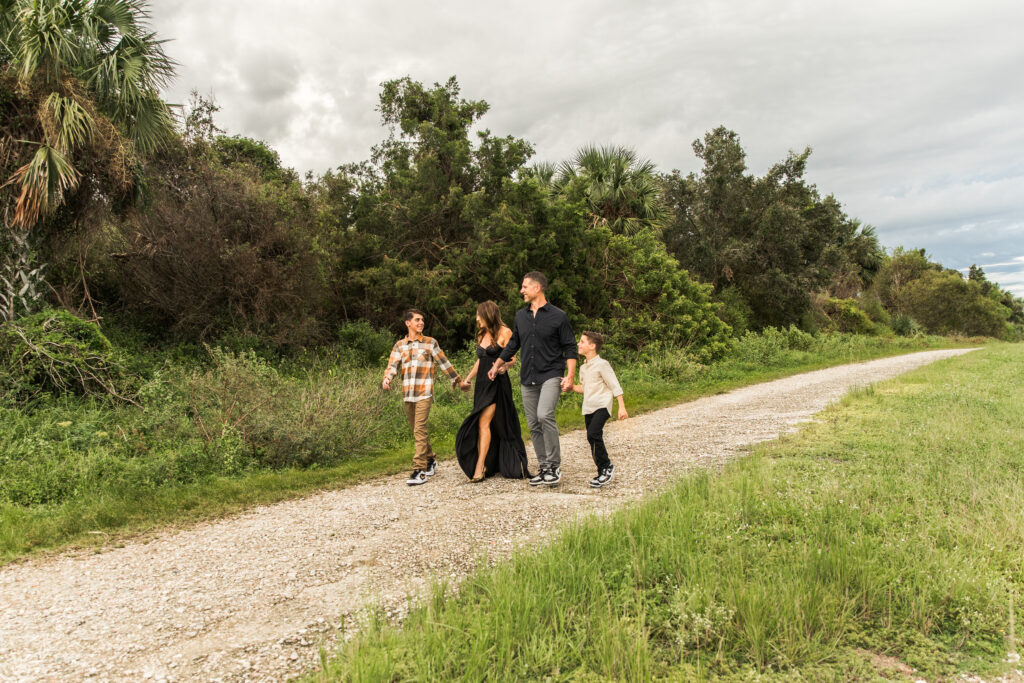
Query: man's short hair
x,y
596,338
537,277
410,313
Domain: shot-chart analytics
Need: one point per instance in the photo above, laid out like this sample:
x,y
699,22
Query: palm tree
x,y
619,189
79,92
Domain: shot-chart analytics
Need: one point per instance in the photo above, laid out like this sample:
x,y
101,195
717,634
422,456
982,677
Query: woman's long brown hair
x,y
491,315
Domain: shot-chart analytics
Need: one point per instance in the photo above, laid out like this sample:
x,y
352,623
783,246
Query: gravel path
x,y
251,598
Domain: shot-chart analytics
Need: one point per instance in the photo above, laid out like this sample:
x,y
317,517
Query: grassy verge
x,y
884,538
77,473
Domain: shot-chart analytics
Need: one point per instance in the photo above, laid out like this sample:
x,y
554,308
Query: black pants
x,y
595,437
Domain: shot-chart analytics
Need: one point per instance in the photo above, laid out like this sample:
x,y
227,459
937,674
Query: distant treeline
x,y
183,232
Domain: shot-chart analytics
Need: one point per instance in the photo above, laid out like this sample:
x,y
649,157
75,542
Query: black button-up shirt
x,y
546,340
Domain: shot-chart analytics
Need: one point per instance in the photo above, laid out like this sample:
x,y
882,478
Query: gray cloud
x,y
911,107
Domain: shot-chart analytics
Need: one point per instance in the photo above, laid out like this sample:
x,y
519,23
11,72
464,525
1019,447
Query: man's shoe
x,y
431,468
553,477
538,479
417,477
603,477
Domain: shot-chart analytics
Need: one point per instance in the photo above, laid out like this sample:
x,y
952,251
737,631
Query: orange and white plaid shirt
x,y
415,359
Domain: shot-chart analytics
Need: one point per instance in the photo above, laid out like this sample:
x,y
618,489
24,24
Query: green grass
x,y
891,527
79,473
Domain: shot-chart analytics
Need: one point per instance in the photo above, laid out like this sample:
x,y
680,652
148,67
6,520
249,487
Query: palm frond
x,y
152,126
43,180
66,122
45,45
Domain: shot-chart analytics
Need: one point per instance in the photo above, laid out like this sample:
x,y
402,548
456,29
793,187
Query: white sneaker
x,y
553,477
603,477
416,478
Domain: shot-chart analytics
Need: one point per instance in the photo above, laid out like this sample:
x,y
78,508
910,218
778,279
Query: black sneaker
x,y
417,477
552,477
431,468
603,477
538,479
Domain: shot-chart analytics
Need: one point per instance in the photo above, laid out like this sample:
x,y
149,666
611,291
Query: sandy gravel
x,y
251,598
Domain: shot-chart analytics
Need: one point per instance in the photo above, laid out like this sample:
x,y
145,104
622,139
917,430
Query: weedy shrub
x,y
363,344
798,340
905,326
675,366
53,351
764,348
846,316
282,421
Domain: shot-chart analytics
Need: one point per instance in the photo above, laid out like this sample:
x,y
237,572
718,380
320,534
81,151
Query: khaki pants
x,y
417,412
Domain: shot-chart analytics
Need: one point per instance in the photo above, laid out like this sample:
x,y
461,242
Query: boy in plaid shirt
x,y
414,356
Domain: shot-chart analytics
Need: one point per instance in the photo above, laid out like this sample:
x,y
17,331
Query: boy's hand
x,y
386,384
623,415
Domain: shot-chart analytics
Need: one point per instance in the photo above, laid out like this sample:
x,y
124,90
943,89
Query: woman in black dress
x,y
489,441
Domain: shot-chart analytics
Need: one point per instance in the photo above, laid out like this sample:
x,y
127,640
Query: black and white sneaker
x,y
538,479
417,477
603,477
431,468
553,477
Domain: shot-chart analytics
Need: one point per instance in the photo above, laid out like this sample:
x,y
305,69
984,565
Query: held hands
x,y
493,372
466,385
567,383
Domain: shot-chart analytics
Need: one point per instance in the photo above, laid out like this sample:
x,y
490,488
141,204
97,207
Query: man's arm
x,y
570,375
445,365
506,354
569,349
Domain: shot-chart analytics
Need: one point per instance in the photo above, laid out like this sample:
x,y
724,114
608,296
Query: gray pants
x,y
539,402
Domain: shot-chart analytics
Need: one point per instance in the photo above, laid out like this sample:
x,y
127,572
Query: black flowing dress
x,y
507,454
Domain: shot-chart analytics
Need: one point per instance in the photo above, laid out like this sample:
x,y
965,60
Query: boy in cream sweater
x,y
599,387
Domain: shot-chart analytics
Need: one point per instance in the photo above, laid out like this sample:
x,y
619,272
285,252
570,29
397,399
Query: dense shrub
x,y
846,316
363,344
217,250
761,349
282,421
734,310
945,303
649,301
905,326
53,351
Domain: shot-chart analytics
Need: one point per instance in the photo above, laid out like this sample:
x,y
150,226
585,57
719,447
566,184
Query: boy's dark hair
x,y
410,313
539,278
596,338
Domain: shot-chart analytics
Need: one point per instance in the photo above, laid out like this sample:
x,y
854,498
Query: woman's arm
x,y
468,382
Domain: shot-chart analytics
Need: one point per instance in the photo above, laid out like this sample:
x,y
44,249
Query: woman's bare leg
x,y
483,439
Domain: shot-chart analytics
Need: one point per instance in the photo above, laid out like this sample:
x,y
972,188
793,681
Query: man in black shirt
x,y
548,346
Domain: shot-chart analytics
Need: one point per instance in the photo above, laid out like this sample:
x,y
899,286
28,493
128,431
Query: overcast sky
x,y
915,110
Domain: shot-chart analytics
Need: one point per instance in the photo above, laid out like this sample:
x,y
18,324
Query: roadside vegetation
x,y
212,431
882,541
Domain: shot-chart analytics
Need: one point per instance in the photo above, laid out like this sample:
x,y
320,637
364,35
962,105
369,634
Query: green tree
x,y
944,302
772,239
899,270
